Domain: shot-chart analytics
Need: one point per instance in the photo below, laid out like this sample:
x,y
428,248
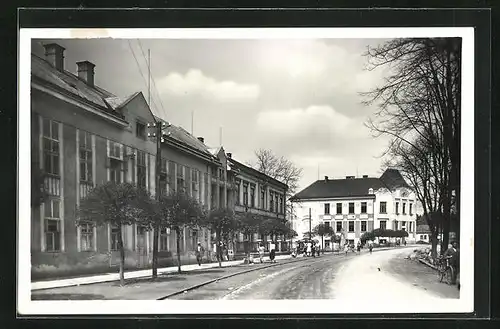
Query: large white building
x,y
353,206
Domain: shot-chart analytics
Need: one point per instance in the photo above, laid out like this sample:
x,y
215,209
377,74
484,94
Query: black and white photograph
x,y
178,171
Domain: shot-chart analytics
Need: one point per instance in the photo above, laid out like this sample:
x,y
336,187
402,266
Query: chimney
x,y
326,178
86,72
201,139
54,54
229,155
365,176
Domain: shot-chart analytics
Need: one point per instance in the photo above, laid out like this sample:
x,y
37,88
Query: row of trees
x,y
383,233
419,109
126,204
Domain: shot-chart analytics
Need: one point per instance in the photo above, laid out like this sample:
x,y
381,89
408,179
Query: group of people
x,y
221,252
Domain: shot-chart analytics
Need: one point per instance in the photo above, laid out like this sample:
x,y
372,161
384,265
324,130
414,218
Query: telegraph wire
x,y
152,79
139,68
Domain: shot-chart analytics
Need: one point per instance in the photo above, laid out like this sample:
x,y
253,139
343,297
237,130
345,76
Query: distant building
x,y
83,136
353,206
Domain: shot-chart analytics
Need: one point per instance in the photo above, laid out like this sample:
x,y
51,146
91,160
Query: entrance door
x,y
141,246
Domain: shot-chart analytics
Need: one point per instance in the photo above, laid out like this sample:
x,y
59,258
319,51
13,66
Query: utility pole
x,y
158,136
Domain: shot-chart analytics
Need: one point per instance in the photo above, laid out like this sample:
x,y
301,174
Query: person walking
x,y
358,247
261,252
272,252
370,246
313,250
309,248
199,253
346,248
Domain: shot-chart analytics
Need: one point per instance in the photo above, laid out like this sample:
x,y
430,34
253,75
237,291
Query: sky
x,y
299,98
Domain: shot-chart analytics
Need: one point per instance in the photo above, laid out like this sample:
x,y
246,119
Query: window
x,y
421,237
339,208
141,169
411,211
271,203
245,194
383,207
383,224
180,178
327,209
351,207
276,202
363,207
87,236
410,228
52,225
116,166
339,226
51,147
397,208
221,174
327,225
171,176
351,226
404,208
282,205
195,183
114,238
252,196
238,191
164,238
263,198
188,180
140,130
206,188
85,146
363,226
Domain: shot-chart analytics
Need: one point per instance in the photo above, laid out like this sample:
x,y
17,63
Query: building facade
x,y
82,136
353,206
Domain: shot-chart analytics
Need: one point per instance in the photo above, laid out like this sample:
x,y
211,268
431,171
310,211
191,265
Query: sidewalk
x,y
109,277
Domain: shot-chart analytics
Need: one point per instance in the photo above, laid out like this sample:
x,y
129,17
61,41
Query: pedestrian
x,y
313,249
404,243
309,248
370,246
199,253
272,252
261,252
319,249
359,247
346,248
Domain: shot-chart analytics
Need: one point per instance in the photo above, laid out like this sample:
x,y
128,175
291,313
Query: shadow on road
x,y
66,297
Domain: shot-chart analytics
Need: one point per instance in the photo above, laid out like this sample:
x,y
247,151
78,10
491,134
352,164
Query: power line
x,y
139,67
154,83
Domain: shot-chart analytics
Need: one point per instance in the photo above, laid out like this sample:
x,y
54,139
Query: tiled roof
x,y
68,82
118,102
236,165
424,228
339,188
181,135
392,178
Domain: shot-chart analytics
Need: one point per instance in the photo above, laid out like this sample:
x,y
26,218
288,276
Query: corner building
x,y
82,136
353,206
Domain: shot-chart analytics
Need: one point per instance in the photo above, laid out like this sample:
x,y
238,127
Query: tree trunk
x,y
178,247
434,236
122,256
219,249
156,235
323,244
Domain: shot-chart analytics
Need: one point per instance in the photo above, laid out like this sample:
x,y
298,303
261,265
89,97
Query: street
x,y
383,273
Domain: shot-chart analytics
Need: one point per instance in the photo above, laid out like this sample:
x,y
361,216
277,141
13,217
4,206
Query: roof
x,y
351,187
236,165
424,228
334,188
392,178
118,102
70,83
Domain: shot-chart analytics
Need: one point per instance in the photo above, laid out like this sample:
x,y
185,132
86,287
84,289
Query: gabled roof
x,y
238,166
214,150
392,178
424,228
118,102
350,187
334,188
181,135
71,84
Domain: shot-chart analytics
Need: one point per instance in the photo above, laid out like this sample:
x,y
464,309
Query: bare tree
x,y
418,106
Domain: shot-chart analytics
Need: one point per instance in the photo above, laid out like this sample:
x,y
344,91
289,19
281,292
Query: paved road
x,y
383,273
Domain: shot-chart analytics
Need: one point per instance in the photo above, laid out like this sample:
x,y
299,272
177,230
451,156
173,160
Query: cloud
x,y
313,120
194,82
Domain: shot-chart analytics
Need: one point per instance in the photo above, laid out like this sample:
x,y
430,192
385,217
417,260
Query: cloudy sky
x,y
298,98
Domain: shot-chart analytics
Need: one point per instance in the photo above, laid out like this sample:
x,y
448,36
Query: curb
x,y
138,277
226,277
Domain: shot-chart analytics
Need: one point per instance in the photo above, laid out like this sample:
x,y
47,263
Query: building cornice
x,y
71,100
340,198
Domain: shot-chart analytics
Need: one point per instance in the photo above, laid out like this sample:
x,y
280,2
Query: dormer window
x,y
140,130
370,191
